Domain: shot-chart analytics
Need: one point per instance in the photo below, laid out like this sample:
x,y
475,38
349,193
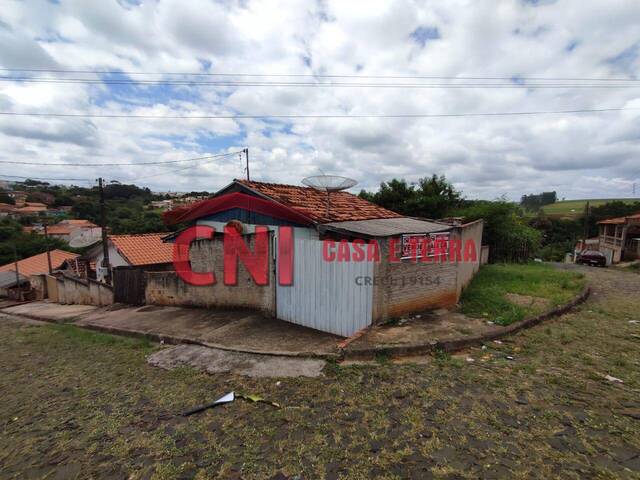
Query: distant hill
x,y
575,208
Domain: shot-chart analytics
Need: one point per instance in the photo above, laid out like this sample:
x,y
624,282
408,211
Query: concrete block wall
x,y
466,270
166,288
406,287
73,291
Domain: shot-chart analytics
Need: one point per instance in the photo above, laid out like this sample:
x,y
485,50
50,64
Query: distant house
x,y
39,263
31,208
144,251
69,230
10,286
619,238
6,209
327,294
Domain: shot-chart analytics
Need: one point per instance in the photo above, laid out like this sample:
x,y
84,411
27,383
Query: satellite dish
x,y
328,184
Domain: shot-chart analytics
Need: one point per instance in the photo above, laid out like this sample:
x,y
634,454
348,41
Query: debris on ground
x,y
228,398
470,360
257,399
510,357
613,379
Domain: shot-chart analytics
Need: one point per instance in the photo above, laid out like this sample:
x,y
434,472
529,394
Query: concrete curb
x,y
176,340
455,344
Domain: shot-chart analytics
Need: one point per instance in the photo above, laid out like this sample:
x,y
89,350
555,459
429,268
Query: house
x,y
619,238
39,263
83,232
6,209
145,251
31,208
10,286
329,292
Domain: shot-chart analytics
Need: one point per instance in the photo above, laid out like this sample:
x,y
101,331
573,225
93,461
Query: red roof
x,y
38,263
620,220
144,249
78,223
343,206
57,230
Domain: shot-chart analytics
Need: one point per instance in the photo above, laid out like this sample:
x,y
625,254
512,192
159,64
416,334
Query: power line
x,y
119,164
48,179
294,116
84,81
318,75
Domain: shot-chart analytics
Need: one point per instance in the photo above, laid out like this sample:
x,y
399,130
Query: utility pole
x,y
15,262
586,222
103,227
46,241
246,152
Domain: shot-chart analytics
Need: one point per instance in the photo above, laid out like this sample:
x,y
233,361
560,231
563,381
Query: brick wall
x,y
407,287
166,288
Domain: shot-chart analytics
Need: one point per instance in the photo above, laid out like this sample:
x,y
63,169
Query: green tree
x,y
509,237
432,197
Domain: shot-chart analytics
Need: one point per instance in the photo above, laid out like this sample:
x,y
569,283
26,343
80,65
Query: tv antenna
x,y
328,184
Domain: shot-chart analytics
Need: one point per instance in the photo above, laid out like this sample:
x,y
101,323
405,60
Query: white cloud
x,y
485,156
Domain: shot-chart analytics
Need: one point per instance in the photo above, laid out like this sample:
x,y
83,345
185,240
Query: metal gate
x,y
128,285
332,297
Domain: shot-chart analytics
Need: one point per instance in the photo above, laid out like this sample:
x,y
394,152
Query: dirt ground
x,y
79,404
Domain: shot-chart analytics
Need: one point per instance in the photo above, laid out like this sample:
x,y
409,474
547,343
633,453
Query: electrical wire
x,y
318,75
48,179
118,164
76,81
301,116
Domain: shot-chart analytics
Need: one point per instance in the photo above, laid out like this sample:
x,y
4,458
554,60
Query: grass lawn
x,y
575,208
485,296
81,404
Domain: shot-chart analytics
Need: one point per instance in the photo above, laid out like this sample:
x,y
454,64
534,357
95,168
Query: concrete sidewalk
x,y
235,330
249,331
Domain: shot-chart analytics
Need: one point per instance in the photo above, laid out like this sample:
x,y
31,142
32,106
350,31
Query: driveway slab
x,y
237,330
52,312
213,360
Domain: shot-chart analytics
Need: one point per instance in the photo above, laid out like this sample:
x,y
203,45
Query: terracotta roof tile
x,y
620,220
343,206
78,223
38,263
144,249
57,230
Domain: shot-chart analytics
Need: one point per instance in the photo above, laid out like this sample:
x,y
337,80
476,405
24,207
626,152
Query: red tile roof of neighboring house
x,y
57,230
619,220
7,207
31,209
78,223
38,263
144,249
343,206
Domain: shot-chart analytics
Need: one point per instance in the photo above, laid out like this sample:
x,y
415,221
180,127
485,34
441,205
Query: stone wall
x,y
166,288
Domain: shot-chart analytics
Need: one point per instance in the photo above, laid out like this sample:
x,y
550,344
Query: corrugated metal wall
x,y
325,295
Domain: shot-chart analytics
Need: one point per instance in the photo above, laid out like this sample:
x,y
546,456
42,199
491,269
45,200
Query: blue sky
x,y
579,155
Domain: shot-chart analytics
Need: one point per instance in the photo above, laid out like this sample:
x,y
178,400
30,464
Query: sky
x,y
580,155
